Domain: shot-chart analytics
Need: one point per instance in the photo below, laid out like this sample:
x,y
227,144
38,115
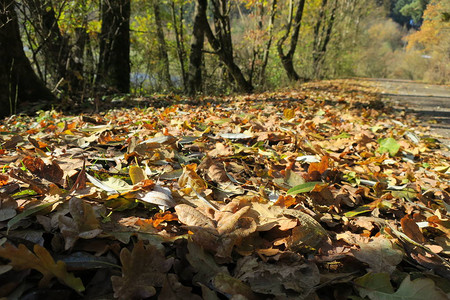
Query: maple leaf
x,y
83,223
41,260
143,269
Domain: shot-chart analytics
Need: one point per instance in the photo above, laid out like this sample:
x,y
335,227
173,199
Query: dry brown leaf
x,y
143,269
83,223
192,217
379,254
172,289
50,171
296,276
411,229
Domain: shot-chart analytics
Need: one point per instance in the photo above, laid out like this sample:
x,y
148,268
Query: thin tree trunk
x,y
194,82
322,35
222,44
53,45
180,41
18,81
114,60
162,45
266,53
288,59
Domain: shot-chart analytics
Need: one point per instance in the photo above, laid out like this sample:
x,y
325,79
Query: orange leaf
x,y
286,201
3,179
51,172
320,167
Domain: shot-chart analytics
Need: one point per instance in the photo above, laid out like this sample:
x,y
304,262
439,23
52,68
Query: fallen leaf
x,y
143,269
411,229
303,188
21,258
50,171
295,278
379,254
160,196
136,174
83,223
172,289
378,286
389,145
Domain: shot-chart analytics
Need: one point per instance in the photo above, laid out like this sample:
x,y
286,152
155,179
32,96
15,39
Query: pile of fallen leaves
x,y
320,193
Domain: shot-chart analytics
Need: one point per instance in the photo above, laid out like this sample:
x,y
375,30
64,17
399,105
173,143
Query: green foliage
x,y
365,42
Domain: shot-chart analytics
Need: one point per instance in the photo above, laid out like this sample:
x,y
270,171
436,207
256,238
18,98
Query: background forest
x,y
195,149
83,49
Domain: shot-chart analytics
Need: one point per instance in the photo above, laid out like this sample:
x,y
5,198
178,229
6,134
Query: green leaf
x,y
389,145
379,282
30,211
343,135
377,286
303,188
360,210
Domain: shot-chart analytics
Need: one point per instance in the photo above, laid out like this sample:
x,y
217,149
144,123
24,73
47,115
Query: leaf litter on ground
x,y
323,192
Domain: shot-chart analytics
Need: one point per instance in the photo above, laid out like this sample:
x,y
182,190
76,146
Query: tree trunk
x,y
194,82
114,61
221,43
54,47
288,59
162,45
179,39
266,52
322,35
18,81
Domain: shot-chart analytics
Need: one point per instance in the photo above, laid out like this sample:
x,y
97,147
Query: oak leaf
x,y
143,269
173,289
41,260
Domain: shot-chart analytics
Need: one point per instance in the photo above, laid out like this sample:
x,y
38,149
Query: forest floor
x,y
332,190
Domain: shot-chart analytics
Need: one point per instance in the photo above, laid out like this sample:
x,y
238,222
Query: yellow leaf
x,y
137,174
41,260
288,113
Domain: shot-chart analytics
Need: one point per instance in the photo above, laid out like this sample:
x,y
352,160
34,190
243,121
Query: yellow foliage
x,y
433,30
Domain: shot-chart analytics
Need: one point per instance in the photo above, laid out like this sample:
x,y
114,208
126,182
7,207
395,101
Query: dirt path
x,y
430,102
